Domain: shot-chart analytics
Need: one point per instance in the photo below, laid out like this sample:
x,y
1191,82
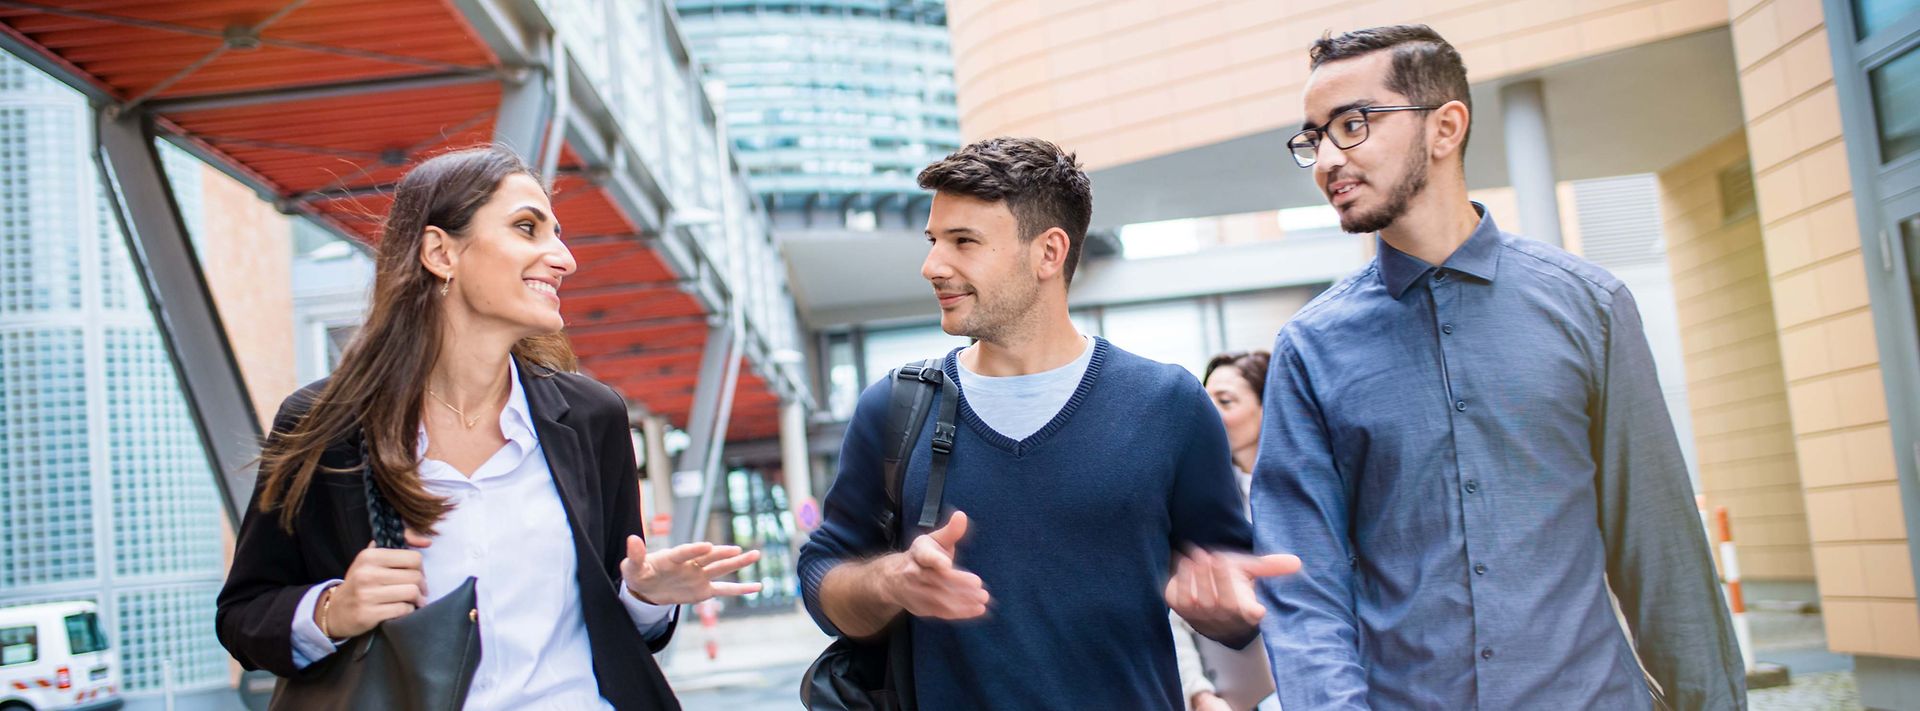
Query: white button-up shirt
x,y
508,529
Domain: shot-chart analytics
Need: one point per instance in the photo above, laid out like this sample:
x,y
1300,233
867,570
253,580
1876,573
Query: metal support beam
x,y
526,106
504,29
699,471
548,160
29,51
183,307
1523,110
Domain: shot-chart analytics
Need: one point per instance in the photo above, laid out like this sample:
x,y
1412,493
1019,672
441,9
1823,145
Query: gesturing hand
x,y
1214,591
924,581
1207,701
684,573
381,584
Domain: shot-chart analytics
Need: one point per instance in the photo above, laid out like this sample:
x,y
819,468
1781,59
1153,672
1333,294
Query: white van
x,y
56,656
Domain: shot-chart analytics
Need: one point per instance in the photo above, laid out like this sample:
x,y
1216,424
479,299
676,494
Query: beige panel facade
x,y
1122,80
1742,425
1828,351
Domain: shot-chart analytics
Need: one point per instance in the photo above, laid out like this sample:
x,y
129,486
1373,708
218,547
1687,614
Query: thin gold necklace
x,y
468,421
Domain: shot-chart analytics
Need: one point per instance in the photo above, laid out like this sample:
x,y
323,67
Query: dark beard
x,y
1403,193
1001,317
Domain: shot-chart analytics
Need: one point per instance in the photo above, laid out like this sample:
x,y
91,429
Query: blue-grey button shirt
x,y
1467,458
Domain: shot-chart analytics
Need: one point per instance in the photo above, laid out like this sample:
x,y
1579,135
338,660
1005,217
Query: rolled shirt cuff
x,y
309,644
649,618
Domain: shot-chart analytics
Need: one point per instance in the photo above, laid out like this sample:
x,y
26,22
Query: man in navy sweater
x,y
1081,476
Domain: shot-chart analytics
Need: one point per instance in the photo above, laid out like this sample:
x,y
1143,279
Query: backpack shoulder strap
x,y
913,388
943,434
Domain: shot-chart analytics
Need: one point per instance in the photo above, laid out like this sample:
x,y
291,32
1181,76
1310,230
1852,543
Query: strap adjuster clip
x,y
943,434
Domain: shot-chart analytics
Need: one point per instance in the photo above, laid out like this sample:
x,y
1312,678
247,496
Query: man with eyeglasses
x,y
1466,444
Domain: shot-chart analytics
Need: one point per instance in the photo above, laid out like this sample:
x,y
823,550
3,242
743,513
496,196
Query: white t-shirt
x,y
1019,405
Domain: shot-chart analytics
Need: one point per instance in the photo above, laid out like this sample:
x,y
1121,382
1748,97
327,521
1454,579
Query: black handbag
x,y
877,675
421,661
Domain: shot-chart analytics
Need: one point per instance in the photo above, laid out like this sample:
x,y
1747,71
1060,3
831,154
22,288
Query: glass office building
x,y
832,106
105,492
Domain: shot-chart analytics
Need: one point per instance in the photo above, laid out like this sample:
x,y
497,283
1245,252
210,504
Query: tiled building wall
x,y
1121,80
1827,347
1742,426
248,259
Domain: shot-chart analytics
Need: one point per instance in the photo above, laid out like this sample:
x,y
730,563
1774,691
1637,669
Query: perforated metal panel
x,y
1620,220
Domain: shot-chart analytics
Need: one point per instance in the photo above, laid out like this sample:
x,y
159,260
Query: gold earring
x,y
446,286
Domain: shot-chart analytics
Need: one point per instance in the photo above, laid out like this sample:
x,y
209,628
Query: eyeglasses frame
x,y
1365,115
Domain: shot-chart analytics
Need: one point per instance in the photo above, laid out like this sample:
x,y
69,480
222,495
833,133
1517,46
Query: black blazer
x,y
583,429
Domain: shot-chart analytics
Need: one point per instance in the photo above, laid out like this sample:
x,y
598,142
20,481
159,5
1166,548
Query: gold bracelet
x,y
326,603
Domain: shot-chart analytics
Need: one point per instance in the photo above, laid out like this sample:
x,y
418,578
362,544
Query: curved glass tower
x,y
833,106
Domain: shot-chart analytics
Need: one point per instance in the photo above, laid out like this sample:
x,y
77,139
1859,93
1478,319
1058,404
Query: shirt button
x,y
1472,486
1446,328
1439,275
1480,569
1461,406
1486,653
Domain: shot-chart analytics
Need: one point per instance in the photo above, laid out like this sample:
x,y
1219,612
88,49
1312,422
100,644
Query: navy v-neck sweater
x,y
1072,530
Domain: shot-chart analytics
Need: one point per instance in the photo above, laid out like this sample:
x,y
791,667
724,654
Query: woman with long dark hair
x,y
1217,677
458,400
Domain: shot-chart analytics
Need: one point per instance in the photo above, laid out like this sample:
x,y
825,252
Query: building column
x,y
797,467
653,434
1523,111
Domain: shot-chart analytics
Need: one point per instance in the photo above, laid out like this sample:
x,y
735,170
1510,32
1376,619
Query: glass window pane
x,y
83,634
891,349
18,645
1169,332
843,378
1870,16
1253,320
1896,105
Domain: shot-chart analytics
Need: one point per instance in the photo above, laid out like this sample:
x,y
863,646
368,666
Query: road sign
x,y
807,514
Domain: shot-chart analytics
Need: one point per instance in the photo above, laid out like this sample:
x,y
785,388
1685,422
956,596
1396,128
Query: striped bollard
x,y
1730,575
709,611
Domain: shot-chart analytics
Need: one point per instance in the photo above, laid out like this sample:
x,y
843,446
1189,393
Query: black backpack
x,y
878,675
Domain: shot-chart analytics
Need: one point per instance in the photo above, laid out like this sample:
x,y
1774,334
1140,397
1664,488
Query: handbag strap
x,y
388,530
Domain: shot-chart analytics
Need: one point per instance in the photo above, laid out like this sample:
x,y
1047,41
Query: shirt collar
x,y
516,419
1478,257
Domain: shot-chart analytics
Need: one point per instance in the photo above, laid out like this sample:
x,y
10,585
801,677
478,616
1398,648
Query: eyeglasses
x,y
1347,130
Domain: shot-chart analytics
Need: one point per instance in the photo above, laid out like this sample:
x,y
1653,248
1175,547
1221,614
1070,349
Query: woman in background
x,y
1216,677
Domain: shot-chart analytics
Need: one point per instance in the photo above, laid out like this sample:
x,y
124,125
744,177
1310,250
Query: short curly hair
x,y
1042,184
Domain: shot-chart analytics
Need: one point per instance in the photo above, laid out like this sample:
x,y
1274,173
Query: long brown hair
x,y
376,390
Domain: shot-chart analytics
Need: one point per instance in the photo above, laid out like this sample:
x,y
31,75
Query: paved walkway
x,y
1825,691
749,651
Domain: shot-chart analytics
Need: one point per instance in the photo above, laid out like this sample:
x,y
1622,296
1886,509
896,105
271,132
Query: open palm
x,y
685,573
